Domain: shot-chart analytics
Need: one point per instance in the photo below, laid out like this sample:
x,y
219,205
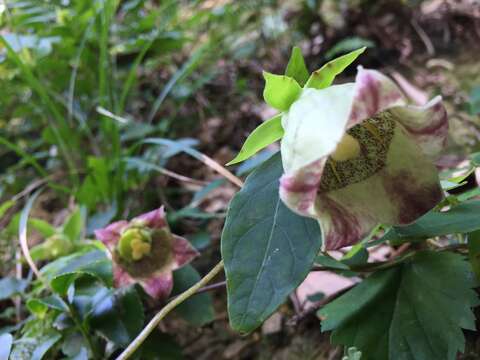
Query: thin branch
x,y
221,170
130,350
424,37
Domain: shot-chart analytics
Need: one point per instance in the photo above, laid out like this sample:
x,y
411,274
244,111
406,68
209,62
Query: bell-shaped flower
x,y
358,154
144,251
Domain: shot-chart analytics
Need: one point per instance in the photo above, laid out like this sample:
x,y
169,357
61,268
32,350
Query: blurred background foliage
x,y
107,105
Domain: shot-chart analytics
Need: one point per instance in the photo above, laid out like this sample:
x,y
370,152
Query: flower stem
x,y
135,344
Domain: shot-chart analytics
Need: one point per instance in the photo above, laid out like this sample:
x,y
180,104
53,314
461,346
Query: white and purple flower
x,y
357,154
144,251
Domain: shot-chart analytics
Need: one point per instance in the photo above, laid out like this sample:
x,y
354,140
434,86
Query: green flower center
x,y
135,243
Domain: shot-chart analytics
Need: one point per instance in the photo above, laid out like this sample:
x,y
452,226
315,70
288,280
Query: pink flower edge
x,y
158,284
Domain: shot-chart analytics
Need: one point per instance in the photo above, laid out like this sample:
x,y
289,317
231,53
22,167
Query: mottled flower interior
x,y
374,136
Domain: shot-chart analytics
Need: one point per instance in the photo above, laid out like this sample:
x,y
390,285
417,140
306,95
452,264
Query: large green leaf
x,y
198,310
415,311
462,218
268,250
280,91
324,76
264,135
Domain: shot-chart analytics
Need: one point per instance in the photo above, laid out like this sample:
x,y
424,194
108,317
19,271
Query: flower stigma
x,y
348,148
135,244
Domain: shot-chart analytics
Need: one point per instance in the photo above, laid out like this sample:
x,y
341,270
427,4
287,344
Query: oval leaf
x,y
268,250
264,135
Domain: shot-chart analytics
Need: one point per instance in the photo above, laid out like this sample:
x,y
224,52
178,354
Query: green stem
x,y
135,344
78,323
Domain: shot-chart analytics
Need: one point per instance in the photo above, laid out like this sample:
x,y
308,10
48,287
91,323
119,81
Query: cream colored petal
x,y
314,125
427,124
374,92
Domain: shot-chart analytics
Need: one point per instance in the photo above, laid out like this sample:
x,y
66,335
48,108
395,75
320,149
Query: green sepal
x,y
280,91
264,135
324,76
296,67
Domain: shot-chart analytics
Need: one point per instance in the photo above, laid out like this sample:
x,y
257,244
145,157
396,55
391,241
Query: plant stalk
x,y
135,344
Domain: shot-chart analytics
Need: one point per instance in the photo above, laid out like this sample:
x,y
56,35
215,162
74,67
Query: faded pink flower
x,y
357,154
144,251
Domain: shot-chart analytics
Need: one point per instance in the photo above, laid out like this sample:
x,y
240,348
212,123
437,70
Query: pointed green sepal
x,y
264,135
296,67
324,76
280,91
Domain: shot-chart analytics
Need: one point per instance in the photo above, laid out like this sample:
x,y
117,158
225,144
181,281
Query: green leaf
x,y
328,261
407,312
67,269
198,310
119,316
73,345
324,77
462,218
268,250
160,346
45,345
74,225
43,227
264,135
10,286
6,341
5,206
356,256
280,91
474,251
39,307
296,67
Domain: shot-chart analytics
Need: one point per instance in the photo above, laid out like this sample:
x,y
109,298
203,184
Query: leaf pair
x,y
281,91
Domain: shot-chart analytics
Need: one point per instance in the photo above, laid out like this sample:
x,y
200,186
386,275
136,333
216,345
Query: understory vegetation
x,y
270,179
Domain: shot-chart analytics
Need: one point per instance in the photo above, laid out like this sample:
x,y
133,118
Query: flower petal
x,y
120,277
183,252
374,92
154,219
427,124
111,234
158,286
314,125
298,190
403,190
